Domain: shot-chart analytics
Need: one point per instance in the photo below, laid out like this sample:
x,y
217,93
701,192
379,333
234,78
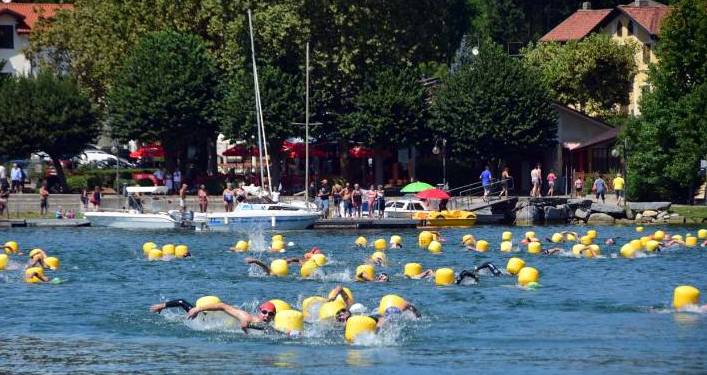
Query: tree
x,y
166,91
282,96
45,113
493,108
389,110
668,141
594,75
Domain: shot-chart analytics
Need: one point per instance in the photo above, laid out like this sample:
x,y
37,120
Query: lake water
x,y
607,315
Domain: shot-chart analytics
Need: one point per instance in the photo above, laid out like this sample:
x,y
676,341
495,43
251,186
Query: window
x,y
417,207
619,29
646,53
629,28
7,37
398,204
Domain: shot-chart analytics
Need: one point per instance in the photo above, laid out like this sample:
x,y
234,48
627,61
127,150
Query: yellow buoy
x,y
468,240
690,241
380,244
168,249
308,268
444,276
677,237
358,325
556,238
639,229
320,259
685,295
424,239
279,268
365,272
702,234
11,247
328,310
570,237
52,262
346,291
636,245
482,246
644,240
435,247
529,235
154,254
277,245
147,246
506,236
34,252
592,251
289,321
506,246
390,300
527,275
309,303
361,242
628,251
577,249
181,251
652,245
379,257
396,240
207,300
592,234
585,240
412,269
241,246
280,305
514,265
4,259
32,274
535,248
278,237
659,235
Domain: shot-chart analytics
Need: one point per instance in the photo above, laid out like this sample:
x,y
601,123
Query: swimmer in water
x,y
609,241
380,278
553,251
344,314
259,322
426,274
704,243
37,274
36,258
467,277
260,264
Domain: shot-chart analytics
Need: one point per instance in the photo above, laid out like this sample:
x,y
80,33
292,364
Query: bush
x,y
76,183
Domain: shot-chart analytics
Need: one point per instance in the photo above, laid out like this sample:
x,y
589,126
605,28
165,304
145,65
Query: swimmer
x,y
427,274
467,277
394,245
672,243
553,251
344,314
36,258
570,236
38,275
704,243
260,322
609,241
339,291
314,250
262,265
380,278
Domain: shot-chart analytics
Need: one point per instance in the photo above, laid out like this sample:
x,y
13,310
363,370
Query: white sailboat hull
x,y
127,220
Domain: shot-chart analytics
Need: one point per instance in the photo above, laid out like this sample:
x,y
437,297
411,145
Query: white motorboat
x,y
136,217
257,214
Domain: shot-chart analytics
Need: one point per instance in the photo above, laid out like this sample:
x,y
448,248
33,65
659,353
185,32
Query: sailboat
x,y
259,213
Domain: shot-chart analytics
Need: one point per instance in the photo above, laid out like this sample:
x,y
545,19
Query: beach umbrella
x,y
416,187
433,194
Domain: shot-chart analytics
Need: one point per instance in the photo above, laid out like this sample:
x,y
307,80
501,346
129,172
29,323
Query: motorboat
x,y
403,208
257,214
137,216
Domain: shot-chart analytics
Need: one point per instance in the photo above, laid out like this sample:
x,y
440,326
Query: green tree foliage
x,y
165,91
493,109
666,145
594,74
45,113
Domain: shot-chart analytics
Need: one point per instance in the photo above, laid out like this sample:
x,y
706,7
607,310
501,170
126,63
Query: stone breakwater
x,y
581,211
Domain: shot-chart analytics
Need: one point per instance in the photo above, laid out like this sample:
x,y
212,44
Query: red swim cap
x,y
268,306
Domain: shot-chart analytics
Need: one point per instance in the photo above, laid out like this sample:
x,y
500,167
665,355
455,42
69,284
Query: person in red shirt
x,y
551,178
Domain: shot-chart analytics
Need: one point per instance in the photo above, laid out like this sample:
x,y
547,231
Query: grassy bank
x,y
690,212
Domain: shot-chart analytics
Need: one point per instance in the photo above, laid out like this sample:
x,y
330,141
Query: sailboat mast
x,y
306,131
257,101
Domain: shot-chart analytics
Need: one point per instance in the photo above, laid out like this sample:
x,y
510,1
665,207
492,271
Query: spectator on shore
x,y
357,200
183,198
336,200
3,176
177,179
618,184
70,214
43,199
346,198
240,193
536,176
4,197
485,178
599,188
312,192
84,198
203,199
16,178
380,201
551,178
159,175
578,187
169,182
505,176
371,195
228,197
96,198
324,193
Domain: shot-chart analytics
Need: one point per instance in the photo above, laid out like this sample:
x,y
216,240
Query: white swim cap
x,y
358,308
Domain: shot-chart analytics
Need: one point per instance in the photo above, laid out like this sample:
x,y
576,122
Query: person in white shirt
x,y
3,175
177,179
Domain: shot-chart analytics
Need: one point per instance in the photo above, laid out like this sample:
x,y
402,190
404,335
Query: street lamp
x,y
443,150
114,150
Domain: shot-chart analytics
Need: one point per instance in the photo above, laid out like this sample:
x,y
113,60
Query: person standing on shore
x,y
346,197
486,182
177,179
4,197
371,195
618,184
324,193
551,183
505,176
599,189
183,198
3,176
203,199
43,199
84,199
16,178
578,187
228,197
357,200
96,198
380,200
336,200
536,179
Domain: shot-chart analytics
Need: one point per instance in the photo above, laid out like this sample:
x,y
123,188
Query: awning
x,y
606,136
153,151
297,150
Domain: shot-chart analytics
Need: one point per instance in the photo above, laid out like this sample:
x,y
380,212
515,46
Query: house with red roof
x,y
16,24
638,21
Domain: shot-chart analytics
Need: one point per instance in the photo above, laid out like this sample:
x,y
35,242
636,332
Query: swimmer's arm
x,y
186,306
363,276
339,291
293,260
242,316
410,307
258,263
423,275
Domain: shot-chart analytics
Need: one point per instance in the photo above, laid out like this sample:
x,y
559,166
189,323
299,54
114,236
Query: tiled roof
x,y
650,17
576,26
29,14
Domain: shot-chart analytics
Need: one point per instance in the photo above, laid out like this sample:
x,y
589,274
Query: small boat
x,y
257,214
136,217
454,218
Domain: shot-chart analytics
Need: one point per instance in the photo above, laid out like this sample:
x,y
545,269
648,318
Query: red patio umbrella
x,y
240,150
297,150
360,152
433,194
154,151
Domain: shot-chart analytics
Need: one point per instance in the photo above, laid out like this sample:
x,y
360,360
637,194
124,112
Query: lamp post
x,y
443,150
114,150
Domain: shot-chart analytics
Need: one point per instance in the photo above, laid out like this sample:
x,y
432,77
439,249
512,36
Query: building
x,y
16,24
638,21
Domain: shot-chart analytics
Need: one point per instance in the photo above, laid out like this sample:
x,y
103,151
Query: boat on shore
x,y
138,216
257,214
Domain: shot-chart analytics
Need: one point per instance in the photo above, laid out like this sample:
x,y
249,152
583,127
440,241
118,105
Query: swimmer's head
x,y
343,315
357,308
609,241
383,277
267,311
392,311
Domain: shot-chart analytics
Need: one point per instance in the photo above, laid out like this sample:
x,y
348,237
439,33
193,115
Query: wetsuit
x,y
490,266
474,275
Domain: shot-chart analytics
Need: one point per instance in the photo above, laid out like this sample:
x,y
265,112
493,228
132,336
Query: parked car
x,y
403,208
102,159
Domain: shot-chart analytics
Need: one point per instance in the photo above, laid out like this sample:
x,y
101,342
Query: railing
x,y
467,193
